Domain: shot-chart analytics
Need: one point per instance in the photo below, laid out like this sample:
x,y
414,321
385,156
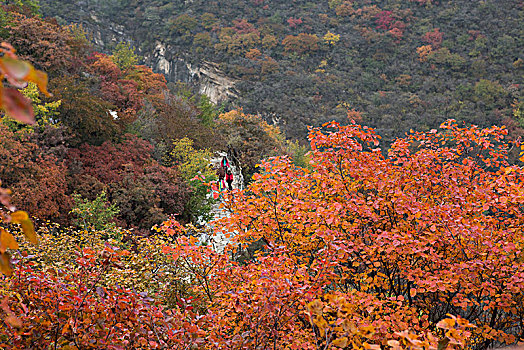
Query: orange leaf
x,y
446,323
5,264
13,321
40,79
18,216
7,241
29,231
341,342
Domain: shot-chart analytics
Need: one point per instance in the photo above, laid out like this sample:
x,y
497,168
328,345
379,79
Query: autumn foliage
x,y
428,230
15,73
416,248
82,145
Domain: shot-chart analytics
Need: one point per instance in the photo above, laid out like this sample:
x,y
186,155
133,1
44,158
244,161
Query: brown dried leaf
x,y
5,264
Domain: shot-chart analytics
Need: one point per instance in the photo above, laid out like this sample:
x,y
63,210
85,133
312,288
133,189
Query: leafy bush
x,y
94,215
195,169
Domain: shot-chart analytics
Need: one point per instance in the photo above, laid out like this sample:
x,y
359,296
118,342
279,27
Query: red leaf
x,y
17,106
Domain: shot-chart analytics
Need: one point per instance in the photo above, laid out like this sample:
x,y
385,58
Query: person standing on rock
x,y
229,179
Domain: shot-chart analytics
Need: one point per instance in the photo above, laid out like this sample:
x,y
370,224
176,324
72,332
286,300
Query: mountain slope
x,y
402,64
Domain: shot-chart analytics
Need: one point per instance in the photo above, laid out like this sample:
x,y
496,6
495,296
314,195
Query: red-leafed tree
x,y
242,26
294,22
37,179
384,19
121,92
144,191
73,309
108,161
434,38
45,44
432,228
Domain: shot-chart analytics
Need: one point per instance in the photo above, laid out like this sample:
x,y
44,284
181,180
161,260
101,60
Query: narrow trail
x,y
219,240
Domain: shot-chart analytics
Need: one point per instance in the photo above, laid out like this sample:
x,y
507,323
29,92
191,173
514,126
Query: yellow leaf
x,y
321,323
7,241
366,331
29,231
18,216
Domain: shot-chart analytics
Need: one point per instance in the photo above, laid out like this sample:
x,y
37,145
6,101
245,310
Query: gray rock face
x,y
211,81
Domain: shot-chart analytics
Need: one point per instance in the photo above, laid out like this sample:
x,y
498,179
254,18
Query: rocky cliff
x,y
207,76
163,58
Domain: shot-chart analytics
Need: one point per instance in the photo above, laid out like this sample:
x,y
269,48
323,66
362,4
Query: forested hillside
x,y
401,63
112,132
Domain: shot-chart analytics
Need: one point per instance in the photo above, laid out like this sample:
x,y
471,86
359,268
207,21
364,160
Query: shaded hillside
x,y
404,64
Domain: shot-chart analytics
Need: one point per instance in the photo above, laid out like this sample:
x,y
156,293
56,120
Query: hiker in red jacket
x,y
229,179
